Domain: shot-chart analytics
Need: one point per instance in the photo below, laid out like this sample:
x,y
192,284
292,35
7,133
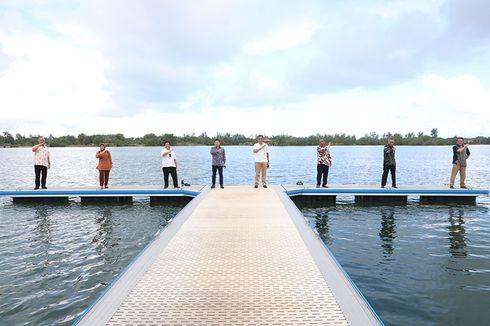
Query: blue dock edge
x,y
105,192
390,191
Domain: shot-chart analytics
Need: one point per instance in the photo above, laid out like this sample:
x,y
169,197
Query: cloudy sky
x,y
251,66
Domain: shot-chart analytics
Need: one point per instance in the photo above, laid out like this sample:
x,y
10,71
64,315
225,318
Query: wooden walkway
x,y
237,256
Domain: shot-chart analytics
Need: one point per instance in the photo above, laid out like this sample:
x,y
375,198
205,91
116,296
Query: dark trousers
x,y
171,170
219,169
41,170
104,177
386,169
321,171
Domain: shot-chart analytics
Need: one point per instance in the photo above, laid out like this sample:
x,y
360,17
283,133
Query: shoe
x,y
177,187
325,186
395,187
256,186
222,187
37,188
165,187
44,188
213,186
265,186
451,187
106,187
463,187
383,187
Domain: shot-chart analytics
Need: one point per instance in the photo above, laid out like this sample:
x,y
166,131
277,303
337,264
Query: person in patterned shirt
x,y
323,163
42,162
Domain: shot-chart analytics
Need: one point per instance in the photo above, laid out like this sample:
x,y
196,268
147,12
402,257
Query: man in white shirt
x,y
42,162
169,164
261,156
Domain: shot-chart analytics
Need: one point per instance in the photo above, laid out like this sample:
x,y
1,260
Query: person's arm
x,y
36,147
260,148
224,156
165,152
214,151
97,155
462,148
467,152
175,161
49,160
110,157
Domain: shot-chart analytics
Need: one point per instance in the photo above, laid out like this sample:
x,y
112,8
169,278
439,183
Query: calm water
x,y
417,264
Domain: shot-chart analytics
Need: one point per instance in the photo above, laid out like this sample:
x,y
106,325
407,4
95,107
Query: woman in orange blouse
x,y
104,166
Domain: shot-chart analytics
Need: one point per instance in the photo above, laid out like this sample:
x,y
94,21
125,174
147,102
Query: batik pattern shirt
x,y
323,155
41,156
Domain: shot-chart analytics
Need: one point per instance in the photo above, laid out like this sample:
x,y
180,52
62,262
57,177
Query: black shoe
x,y
177,187
213,186
37,188
325,186
265,186
256,186
395,187
222,187
44,188
165,187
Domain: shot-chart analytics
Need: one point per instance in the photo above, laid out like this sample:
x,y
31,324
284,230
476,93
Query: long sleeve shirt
x,y
219,156
105,160
323,155
389,156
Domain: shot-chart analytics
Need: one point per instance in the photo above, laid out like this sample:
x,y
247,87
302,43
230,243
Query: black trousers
x,y
171,170
41,180
219,169
386,169
321,171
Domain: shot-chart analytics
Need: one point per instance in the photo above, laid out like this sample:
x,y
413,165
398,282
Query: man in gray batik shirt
x,y
218,163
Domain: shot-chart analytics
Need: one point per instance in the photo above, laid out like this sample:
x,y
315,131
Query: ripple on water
x,y
57,259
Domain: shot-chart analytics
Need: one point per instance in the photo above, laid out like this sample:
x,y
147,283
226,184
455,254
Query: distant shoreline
x,y
118,140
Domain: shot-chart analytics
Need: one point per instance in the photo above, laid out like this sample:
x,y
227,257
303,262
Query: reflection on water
x,y
387,233
321,225
416,265
457,240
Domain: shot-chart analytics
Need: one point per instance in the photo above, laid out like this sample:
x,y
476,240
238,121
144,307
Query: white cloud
x,y
244,67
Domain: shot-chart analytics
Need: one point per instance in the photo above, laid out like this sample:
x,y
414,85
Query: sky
x,y
249,67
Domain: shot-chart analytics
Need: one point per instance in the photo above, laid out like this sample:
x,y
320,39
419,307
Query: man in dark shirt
x,y
389,163
461,153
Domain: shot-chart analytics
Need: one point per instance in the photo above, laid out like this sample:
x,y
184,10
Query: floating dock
x,y
111,195
234,256
374,195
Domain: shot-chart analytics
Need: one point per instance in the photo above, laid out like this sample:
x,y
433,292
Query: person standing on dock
x,y
218,162
104,166
169,164
323,163
42,162
389,163
461,152
261,156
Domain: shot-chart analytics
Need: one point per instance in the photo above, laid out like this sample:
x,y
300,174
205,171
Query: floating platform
x,y
374,195
111,195
234,256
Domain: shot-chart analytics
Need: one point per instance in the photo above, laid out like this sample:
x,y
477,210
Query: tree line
x,y
373,138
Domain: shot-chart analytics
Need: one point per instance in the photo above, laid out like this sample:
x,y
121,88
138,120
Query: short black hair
x,y
260,136
167,141
459,138
217,139
390,138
